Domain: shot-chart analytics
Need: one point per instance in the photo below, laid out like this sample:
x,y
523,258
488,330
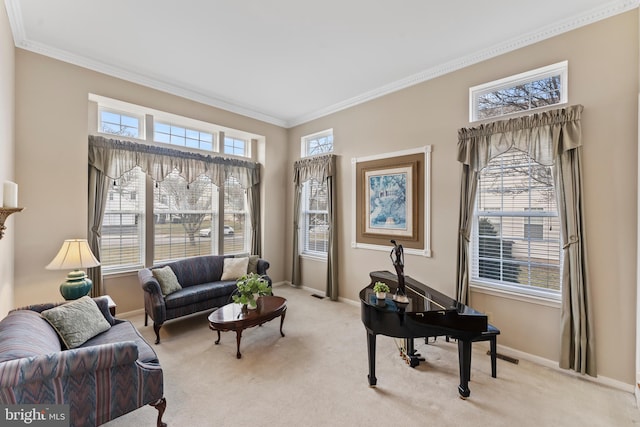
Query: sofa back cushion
x,y
24,333
197,270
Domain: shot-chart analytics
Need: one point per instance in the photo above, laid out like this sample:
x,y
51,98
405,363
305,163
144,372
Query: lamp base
x,y
76,286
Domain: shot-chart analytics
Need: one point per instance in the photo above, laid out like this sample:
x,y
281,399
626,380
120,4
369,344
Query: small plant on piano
x,y
381,289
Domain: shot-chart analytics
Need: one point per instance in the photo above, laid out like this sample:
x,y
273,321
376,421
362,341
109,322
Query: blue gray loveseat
x,y
201,287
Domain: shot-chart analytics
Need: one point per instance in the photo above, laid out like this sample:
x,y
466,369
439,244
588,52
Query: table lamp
x,y
74,255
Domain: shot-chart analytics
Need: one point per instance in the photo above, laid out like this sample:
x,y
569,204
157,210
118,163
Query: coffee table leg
x,y
282,321
238,337
218,340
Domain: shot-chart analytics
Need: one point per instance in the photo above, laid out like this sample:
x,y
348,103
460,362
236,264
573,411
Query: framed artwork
x,y
392,201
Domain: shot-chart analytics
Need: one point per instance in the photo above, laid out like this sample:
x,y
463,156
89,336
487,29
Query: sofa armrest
x,y
148,282
263,266
99,383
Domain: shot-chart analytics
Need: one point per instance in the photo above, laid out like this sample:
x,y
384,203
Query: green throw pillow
x,y
253,264
77,321
167,279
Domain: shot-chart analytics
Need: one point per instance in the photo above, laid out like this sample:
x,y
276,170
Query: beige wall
x,y
7,112
603,76
51,169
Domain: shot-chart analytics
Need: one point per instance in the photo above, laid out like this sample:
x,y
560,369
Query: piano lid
x,y
421,297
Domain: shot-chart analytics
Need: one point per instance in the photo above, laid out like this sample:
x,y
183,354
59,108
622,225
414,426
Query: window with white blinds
x,y
236,223
122,241
315,218
516,231
183,213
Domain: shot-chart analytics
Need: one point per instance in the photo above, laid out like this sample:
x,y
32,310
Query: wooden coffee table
x,y
231,317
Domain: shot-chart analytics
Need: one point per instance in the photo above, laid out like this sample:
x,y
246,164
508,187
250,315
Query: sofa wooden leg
x,y
160,405
146,319
156,329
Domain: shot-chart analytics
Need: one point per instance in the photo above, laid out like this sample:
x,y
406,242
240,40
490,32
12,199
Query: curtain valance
x,y
318,168
114,158
537,135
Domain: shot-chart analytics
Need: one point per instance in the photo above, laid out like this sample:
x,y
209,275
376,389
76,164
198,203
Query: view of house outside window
x,y
516,238
122,239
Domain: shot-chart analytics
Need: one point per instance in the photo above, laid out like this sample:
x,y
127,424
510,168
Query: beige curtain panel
x,y
552,138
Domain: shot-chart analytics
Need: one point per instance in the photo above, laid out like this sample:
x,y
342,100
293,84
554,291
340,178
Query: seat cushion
x,y
197,293
124,330
24,333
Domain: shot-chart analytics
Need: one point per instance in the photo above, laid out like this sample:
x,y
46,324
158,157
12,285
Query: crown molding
x,y
607,10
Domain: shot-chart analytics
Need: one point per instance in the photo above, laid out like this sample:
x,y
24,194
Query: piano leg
x,y
371,344
464,358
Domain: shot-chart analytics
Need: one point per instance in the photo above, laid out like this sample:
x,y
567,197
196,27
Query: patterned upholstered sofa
x,y
201,287
109,375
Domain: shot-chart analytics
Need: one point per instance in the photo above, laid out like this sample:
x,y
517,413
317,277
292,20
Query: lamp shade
x,y
74,254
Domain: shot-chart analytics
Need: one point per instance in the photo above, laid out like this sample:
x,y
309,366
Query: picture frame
x,y
391,201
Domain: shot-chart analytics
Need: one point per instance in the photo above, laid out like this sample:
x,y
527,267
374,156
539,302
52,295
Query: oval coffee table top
x,y
231,315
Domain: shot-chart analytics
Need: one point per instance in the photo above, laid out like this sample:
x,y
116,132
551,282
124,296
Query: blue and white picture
x,y
389,201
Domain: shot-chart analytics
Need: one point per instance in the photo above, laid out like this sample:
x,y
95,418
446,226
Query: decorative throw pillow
x,y
77,321
253,264
234,268
167,279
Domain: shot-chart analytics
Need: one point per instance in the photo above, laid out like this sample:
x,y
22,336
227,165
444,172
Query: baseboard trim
x,y
552,364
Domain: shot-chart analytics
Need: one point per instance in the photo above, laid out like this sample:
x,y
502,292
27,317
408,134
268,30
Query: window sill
x,y
127,271
314,257
532,296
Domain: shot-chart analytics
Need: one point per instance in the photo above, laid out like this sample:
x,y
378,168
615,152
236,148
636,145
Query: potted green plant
x,y
250,287
381,289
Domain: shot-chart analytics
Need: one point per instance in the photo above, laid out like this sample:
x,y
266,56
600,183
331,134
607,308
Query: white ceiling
x,y
289,61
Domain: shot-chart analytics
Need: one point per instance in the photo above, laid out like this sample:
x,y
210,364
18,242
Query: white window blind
x,y
122,241
236,224
181,213
516,234
315,218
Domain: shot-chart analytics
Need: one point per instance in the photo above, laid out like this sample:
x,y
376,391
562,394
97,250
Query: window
x,y
523,92
516,234
315,220
235,146
118,123
314,210
182,221
122,241
176,135
236,224
318,143
183,213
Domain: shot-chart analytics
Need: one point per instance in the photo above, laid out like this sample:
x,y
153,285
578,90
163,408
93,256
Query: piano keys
x,y
428,313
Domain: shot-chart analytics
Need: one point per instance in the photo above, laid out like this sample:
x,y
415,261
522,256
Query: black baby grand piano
x,y
428,313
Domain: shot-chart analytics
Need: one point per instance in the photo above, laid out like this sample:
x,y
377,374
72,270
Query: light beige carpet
x,y
317,376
